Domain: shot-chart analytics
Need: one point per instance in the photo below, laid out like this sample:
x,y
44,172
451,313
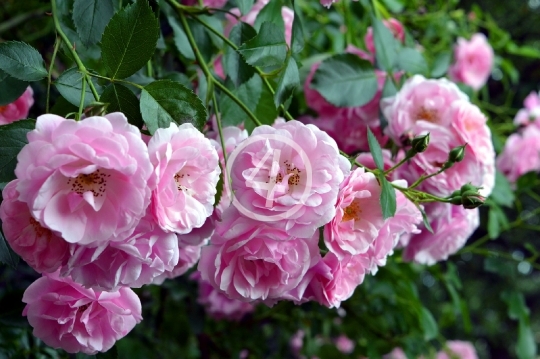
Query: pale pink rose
x,y
199,236
134,262
470,124
419,100
473,61
187,171
344,344
521,154
232,136
452,226
217,305
531,112
286,13
532,100
297,342
358,217
251,261
397,353
18,109
206,3
189,256
288,176
42,249
66,315
393,25
458,350
328,3
90,181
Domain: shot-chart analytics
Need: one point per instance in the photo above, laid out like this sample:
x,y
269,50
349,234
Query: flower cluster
x,y
97,210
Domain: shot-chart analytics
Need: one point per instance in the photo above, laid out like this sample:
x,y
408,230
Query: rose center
x,y
427,115
290,169
351,212
83,307
95,182
179,179
39,230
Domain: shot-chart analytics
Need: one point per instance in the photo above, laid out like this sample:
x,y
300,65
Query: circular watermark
x,y
271,187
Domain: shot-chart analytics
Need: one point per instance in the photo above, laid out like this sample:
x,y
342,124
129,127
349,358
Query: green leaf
x,y
526,345
494,229
121,99
388,198
271,12
129,40
441,64
502,193
63,107
525,51
394,6
386,46
7,256
12,140
268,48
375,149
10,88
244,5
266,110
180,39
297,39
22,61
289,79
389,88
249,93
90,18
424,218
219,187
166,101
69,84
517,309
345,80
428,323
234,64
412,61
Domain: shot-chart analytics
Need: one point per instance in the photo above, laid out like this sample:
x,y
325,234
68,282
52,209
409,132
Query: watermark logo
x,y
272,162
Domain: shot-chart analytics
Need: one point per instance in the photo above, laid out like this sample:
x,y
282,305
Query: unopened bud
x,y
469,187
457,154
472,202
420,143
456,200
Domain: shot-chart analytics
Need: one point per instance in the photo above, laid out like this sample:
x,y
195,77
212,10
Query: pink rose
x,y
89,181
458,349
217,305
419,100
187,171
531,112
397,353
473,61
532,100
288,176
393,25
133,262
297,342
358,217
452,226
328,3
189,255
521,154
249,261
41,248
66,315
344,344
18,109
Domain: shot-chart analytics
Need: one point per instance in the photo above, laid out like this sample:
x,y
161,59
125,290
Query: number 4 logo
x,y
272,185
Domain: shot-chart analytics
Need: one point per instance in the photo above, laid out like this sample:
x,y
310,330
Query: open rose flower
x,y
457,349
288,176
358,217
189,255
521,154
344,344
452,226
18,109
251,261
89,181
473,61
133,262
187,171
66,315
42,249
531,113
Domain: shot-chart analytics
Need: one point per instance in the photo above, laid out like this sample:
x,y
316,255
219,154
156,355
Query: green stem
x,y
15,21
394,167
149,69
220,129
423,178
491,253
114,80
238,102
81,105
349,35
76,58
49,74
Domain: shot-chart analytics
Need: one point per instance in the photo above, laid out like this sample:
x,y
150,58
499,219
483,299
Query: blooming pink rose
x,y
41,248
532,100
393,25
297,342
248,260
419,100
452,226
187,171
521,154
397,353
18,109
288,176
358,217
66,315
189,255
473,61
90,181
328,3
531,112
133,262
217,305
458,349
344,344
206,3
